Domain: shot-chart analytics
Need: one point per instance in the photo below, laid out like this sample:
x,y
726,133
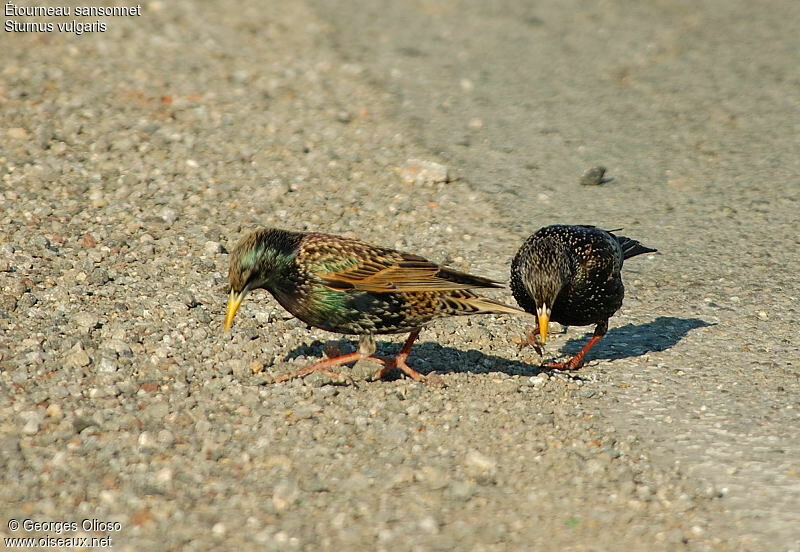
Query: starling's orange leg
x,y
323,366
399,361
577,361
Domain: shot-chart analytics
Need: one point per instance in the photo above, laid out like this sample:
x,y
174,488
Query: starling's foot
x,y
324,367
576,362
573,364
530,339
433,379
399,361
390,364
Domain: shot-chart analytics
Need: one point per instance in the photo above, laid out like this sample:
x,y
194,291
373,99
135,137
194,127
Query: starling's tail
x,y
631,248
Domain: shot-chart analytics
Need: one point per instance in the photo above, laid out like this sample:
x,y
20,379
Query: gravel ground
x,y
133,159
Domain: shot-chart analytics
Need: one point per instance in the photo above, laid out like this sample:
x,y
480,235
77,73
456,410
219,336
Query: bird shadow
x,y
634,340
627,341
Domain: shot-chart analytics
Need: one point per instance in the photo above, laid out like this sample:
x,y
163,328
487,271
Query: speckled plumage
x,y
347,286
572,275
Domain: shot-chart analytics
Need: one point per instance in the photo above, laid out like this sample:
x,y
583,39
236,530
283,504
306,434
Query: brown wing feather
x,y
470,303
402,272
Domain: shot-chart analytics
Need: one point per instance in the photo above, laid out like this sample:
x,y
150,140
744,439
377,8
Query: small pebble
x,y
146,440
480,461
40,242
107,365
27,301
81,423
98,277
31,427
77,358
86,320
212,248
189,300
594,177
8,303
88,241
168,215
538,380
17,133
165,437
285,495
423,172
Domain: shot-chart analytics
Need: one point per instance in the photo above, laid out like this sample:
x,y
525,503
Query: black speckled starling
x,y
346,286
571,275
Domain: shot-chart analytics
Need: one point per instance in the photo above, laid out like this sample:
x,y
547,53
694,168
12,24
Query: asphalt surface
x,y
694,110
133,159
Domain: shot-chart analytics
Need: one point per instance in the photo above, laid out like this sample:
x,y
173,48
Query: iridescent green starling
x,y
346,286
571,275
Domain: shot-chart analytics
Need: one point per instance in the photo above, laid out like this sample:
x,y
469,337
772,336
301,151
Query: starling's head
x,y
259,260
544,298
548,272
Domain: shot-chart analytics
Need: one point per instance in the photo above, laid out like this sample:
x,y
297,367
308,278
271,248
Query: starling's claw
x,y
399,361
323,366
569,365
531,342
396,363
531,339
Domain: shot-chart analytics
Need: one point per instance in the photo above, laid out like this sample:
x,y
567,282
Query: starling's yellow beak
x,y
544,320
234,300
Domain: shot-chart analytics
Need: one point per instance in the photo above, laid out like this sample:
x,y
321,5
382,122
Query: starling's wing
x,y
383,271
467,302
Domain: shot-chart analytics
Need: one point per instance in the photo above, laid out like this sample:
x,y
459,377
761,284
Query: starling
x,y
346,286
571,275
